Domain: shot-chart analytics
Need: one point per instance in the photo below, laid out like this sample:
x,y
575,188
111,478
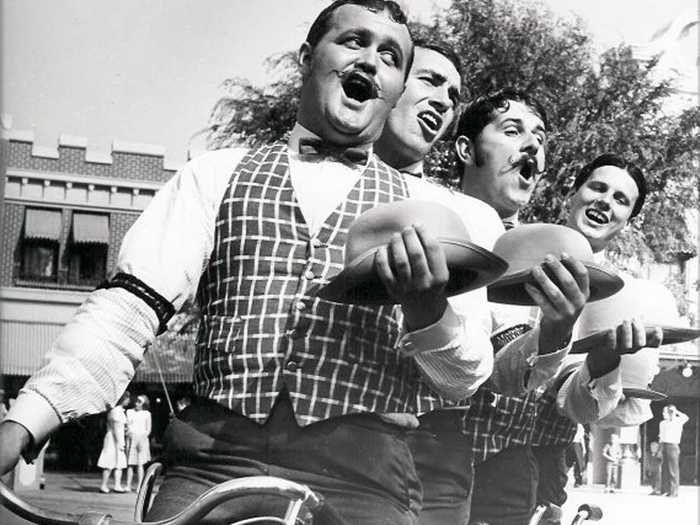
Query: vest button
x,y
309,274
300,306
292,366
316,242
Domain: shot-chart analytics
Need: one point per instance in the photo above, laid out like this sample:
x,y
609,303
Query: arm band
x,y
164,309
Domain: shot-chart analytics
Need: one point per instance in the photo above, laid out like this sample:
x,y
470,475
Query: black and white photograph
x,y
349,262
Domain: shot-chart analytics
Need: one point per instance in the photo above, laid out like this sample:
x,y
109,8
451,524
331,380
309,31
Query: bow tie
x,y
312,147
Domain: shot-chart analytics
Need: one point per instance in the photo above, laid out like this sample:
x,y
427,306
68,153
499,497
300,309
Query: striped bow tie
x,y
311,147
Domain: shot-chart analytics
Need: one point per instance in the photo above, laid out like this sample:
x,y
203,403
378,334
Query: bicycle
x,y
304,504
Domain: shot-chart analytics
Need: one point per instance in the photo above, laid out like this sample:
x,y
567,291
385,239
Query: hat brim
x,y
643,393
671,335
510,289
470,266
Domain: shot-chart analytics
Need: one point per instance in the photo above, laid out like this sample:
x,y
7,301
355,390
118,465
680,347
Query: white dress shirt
x,y
93,360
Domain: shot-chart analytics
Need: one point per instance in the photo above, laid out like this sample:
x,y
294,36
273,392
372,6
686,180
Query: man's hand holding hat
x,y
561,290
627,338
413,269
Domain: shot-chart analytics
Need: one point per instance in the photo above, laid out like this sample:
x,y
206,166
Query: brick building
x,y
63,217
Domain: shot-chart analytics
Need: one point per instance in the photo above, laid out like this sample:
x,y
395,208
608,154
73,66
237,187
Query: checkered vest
x,y
551,428
495,422
264,326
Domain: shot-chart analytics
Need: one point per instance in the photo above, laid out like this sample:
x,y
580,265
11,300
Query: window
x,y
87,253
39,248
39,260
87,264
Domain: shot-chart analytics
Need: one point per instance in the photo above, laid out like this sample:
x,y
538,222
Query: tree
x,y
612,102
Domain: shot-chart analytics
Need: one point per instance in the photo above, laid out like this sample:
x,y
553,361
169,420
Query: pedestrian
x,y
113,455
652,468
612,453
286,382
575,454
138,424
670,432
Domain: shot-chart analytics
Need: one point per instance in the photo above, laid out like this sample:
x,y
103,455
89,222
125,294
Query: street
x,y
77,493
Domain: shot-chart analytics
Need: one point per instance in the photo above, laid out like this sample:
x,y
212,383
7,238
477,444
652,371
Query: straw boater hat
x,y
641,299
470,266
526,246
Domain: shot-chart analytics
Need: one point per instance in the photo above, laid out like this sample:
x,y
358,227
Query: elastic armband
x,y
163,309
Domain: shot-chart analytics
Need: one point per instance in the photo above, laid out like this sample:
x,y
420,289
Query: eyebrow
x,y
520,122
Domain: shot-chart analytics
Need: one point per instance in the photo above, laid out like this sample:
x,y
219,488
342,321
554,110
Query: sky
x,y
149,71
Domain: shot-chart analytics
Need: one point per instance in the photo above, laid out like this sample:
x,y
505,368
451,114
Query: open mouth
x,y
596,216
528,168
359,86
430,120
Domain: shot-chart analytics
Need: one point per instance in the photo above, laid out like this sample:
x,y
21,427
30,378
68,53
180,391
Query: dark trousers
x,y
670,453
361,465
505,488
574,458
552,474
444,464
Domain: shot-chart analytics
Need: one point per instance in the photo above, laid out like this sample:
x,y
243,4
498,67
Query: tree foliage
x,y
596,103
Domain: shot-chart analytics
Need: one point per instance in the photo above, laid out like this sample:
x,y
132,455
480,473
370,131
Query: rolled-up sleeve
x,y
455,354
94,358
586,400
519,368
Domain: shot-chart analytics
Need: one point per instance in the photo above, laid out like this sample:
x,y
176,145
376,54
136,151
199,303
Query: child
x,y
612,452
652,470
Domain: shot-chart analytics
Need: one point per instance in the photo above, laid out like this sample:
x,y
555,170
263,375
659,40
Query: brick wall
x,y
131,166
71,161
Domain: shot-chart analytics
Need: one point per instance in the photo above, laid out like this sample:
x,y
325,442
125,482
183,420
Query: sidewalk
x,y
77,493
636,506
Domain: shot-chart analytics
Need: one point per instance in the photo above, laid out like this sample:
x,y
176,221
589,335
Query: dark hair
x,y
319,27
482,110
610,159
443,48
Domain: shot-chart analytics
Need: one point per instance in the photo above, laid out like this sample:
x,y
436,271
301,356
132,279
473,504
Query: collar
x,y
415,169
299,131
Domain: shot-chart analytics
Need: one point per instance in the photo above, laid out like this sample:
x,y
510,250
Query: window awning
x,y
90,228
25,343
42,224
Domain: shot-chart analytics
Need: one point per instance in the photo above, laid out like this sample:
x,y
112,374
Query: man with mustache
x,y
500,146
287,384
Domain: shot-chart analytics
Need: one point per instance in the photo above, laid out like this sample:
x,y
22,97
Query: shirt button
x,y
300,306
316,243
309,274
292,366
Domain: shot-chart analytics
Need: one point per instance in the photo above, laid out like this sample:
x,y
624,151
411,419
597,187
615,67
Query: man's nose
x,y
602,202
367,60
531,144
440,100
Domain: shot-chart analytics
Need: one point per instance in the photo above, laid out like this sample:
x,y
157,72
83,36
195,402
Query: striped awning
x,y
174,357
24,344
90,228
42,224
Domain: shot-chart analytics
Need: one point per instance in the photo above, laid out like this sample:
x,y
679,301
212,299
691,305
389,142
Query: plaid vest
x,y
495,422
551,428
263,326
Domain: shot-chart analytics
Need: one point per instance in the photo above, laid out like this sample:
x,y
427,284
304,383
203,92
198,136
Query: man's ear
x,y
304,59
464,148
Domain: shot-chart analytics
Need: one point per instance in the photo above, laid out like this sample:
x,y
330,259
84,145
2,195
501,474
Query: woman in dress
x,y
138,429
113,455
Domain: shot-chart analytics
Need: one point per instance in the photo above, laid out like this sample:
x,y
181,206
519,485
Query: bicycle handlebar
x,y
298,494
